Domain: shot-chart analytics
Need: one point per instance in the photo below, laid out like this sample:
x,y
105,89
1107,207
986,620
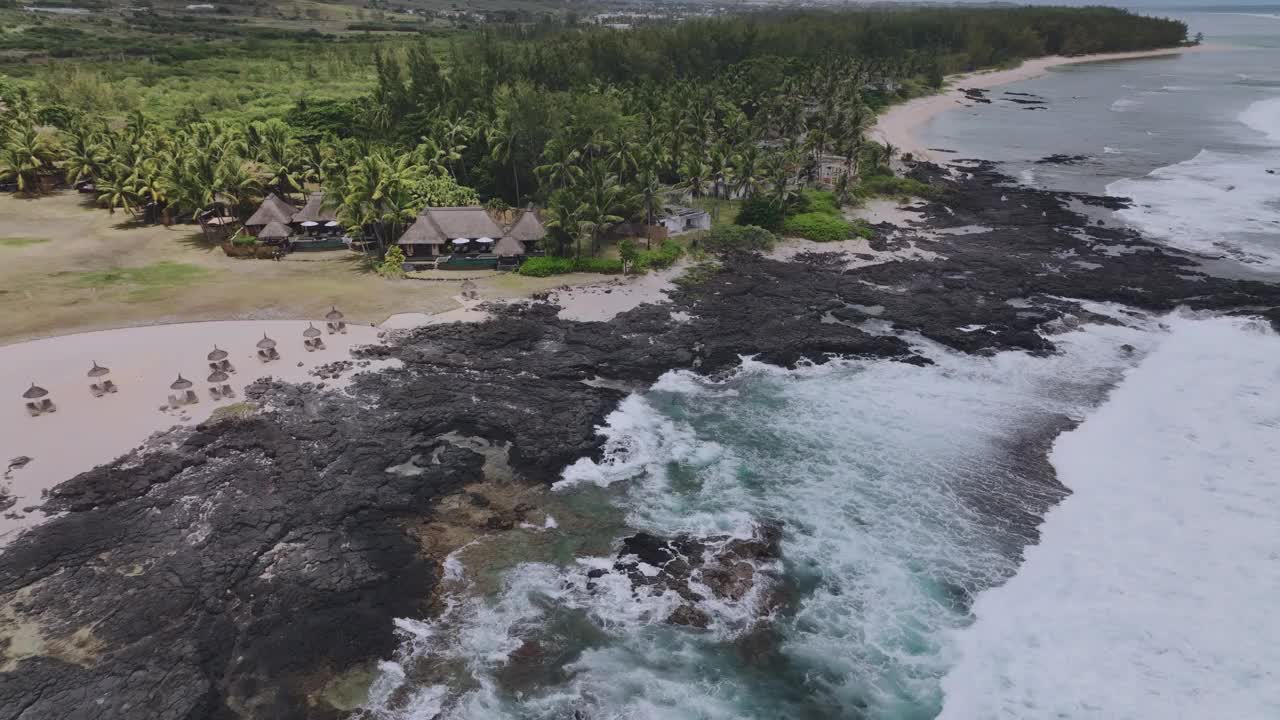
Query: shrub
x,y
817,226
862,229
244,240
819,201
548,266
893,186
664,256
392,263
747,238
760,212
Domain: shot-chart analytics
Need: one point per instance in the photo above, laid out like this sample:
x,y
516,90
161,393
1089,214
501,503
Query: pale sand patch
x,y
899,124
603,301
883,210
87,431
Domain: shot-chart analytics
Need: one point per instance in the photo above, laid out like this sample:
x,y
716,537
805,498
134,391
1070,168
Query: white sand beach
x,y
898,125
87,431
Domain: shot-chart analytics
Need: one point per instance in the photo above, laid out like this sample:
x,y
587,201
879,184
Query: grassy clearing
x,y
95,272
161,274
19,242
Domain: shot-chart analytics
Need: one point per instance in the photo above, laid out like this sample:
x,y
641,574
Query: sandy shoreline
x,y
900,123
87,431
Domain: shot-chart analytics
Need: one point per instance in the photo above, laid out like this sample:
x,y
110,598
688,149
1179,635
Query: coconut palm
x,y
27,154
601,201
650,192
560,168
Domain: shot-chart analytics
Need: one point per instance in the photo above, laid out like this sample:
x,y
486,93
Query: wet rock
x,y
254,556
689,616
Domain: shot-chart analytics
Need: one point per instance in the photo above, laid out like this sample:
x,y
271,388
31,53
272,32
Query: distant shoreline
x,y
899,125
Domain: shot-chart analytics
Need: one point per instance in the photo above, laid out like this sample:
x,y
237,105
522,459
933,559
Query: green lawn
x,y
17,242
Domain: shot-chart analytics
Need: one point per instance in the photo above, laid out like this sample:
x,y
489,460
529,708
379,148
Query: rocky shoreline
x,y
234,569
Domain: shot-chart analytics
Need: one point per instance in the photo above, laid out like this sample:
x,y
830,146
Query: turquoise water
x,y
912,499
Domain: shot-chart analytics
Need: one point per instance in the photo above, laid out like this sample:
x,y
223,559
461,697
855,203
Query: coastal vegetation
x,y
595,125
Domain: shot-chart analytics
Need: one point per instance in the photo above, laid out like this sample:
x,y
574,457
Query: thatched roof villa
x,y
437,230
315,211
273,209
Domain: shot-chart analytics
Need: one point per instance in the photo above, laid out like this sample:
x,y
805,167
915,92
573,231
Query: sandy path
x,y
900,123
88,431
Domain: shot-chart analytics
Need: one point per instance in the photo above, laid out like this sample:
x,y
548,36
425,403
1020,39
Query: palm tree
x,y
85,155
26,155
503,141
560,169
562,218
650,192
696,174
601,201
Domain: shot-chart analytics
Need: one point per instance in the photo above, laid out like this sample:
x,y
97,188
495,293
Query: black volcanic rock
x,y
228,571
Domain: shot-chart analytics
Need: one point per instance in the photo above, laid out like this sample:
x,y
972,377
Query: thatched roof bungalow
x,y
436,230
315,211
275,231
273,209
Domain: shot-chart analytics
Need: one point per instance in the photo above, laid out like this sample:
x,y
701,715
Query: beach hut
x,y
267,349
311,338
527,230
273,210
274,232
101,385
188,396
334,321
218,388
38,401
469,290
218,360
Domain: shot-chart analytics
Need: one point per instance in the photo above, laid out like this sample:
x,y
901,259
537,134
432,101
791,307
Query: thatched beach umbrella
x,y
217,355
266,343
311,332
334,314
97,370
180,384
217,376
35,392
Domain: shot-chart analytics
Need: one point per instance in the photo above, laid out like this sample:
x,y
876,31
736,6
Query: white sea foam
x,y
1264,116
1215,203
1126,105
891,483
1152,592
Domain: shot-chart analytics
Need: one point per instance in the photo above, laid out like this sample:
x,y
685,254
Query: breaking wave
x,y
1151,591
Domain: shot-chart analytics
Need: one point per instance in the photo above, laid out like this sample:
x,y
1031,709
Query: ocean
x,y
933,565
1193,140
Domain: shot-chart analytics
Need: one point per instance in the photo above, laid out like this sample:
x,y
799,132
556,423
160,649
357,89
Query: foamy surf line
x,y
1151,592
1216,203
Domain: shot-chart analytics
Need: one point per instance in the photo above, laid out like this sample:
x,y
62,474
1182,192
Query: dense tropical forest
x,y
595,125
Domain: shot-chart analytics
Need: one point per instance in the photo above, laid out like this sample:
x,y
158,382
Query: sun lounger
x,y
192,398
33,409
263,356
96,390
215,393
46,405
174,402
109,386
274,354
309,345
227,367
227,392
318,344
